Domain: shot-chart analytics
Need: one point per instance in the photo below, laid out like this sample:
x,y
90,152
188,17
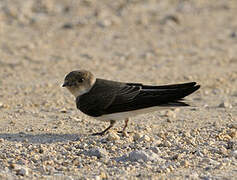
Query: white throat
x,y
78,92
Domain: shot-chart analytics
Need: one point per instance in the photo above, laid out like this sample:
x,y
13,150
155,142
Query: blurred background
x,y
154,40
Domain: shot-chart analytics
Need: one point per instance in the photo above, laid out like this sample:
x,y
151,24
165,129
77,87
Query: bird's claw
x,y
124,133
98,134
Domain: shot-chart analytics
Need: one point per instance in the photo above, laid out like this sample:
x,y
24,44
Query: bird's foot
x,y
98,133
106,130
124,133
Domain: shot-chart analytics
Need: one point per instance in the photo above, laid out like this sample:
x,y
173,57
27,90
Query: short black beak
x,y
64,84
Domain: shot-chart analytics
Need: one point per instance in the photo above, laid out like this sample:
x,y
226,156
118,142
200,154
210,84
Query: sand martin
x,y
111,101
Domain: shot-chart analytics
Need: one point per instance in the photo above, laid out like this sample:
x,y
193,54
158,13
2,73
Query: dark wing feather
x,y
172,86
104,94
112,97
154,96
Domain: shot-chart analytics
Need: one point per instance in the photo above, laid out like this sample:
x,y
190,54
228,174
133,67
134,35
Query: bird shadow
x,y
39,138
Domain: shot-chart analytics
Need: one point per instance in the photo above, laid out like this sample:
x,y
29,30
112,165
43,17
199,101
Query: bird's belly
x,y
127,114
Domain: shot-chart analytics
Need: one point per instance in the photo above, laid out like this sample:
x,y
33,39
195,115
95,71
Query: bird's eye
x,y
80,80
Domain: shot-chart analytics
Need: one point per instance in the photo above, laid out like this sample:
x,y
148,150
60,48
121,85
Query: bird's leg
x,y
112,122
125,126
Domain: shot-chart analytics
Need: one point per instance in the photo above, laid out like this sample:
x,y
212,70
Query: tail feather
x,y
171,86
173,95
182,92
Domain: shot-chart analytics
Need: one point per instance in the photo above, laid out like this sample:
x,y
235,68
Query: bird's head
x,y
79,82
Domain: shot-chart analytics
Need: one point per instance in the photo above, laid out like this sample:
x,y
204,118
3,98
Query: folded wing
x,y
138,96
113,97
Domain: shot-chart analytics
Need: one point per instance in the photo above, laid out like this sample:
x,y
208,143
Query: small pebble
x,y
97,152
22,171
143,156
169,120
168,144
137,136
234,154
225,104
103,175
112,136
185,163
63,111
145,138
171,114
155,150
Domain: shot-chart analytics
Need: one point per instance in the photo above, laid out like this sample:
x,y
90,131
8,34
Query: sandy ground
x,y
43,135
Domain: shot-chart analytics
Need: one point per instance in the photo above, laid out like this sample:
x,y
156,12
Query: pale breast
x,y
127,114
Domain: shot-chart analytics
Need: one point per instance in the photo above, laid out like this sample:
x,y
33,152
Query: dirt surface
x,y
43,135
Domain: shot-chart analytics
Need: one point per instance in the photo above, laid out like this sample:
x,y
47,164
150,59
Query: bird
x,y
112,101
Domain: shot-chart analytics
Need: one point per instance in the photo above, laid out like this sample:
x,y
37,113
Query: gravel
x,y
44,136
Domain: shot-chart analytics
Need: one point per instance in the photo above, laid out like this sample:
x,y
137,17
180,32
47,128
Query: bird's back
x,y
106,97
